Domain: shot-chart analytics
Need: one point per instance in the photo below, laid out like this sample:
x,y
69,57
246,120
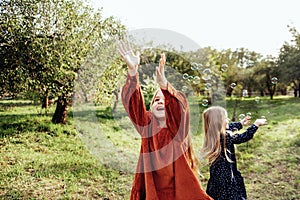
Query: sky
x,y
257,25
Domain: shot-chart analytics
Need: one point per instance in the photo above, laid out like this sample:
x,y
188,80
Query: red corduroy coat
x,y
163,171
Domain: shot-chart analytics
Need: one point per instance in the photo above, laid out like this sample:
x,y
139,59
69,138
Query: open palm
x,y
132,60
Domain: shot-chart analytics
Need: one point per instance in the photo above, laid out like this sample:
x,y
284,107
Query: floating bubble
x,y
190,78
274,80
196,80
185,76
206,74
248,113
257,99
233,85
184,88
204,102
224,67
241,116
199,66
194,66
207,86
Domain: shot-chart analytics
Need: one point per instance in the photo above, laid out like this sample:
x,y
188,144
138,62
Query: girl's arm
x,y
235,125
133,102
177,112
249,133
176,106
239,125
132,97
246,136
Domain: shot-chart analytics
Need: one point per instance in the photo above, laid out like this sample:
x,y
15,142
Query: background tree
x,y
56,37
289,62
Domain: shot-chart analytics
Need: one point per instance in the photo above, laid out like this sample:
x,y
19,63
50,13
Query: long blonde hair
x,y
214,126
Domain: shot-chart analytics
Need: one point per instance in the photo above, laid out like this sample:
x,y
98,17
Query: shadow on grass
x,y
15,103
11,125
68,174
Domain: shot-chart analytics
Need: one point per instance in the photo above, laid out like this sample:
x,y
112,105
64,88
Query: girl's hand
x,y
260,122
246,121
160,72
129,57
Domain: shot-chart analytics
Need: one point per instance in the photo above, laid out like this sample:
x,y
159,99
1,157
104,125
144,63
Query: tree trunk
x,y
273,89
116,93
234,115
61,111
249,92
45,102
262,93
283,91
299,90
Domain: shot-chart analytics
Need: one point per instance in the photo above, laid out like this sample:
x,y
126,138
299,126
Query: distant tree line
x,y
47,45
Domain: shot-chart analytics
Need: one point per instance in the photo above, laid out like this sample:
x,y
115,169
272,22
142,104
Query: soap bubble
x,y
204,102
199,66
184,88
233,85
194,66
224,68
257,99
190,78
196,80
207,86
206,74
241,116
274,80
185,76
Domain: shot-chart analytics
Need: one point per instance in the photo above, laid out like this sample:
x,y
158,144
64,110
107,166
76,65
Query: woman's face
x,y
158,106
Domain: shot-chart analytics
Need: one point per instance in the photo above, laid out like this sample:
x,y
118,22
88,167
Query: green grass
x,y
94,155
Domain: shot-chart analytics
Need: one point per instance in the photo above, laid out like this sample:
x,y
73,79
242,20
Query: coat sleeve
x,y
246,136
235,125
133,102
177,112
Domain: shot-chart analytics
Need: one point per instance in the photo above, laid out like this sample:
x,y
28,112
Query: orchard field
x,y
42,160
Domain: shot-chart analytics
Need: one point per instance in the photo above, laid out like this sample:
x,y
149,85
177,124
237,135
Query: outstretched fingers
x,y
124,48
162,62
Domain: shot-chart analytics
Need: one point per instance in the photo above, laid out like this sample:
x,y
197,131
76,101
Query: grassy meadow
x,y
94,155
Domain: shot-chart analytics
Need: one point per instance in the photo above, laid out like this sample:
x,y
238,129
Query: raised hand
x,y
246,121
132,60
160,72
260,122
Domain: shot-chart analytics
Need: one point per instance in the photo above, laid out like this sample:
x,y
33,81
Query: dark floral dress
x,y
226,182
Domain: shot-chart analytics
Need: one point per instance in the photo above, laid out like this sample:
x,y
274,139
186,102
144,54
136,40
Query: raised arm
x,y
239,125
176,106
132,97
177,112
249,133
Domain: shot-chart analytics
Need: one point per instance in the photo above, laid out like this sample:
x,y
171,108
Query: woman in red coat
x,y
166,167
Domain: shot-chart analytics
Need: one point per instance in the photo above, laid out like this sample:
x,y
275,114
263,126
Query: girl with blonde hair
x,y
225,182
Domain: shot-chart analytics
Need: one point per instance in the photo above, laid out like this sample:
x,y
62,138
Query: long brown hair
x,y
192,158
214,127
190,154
